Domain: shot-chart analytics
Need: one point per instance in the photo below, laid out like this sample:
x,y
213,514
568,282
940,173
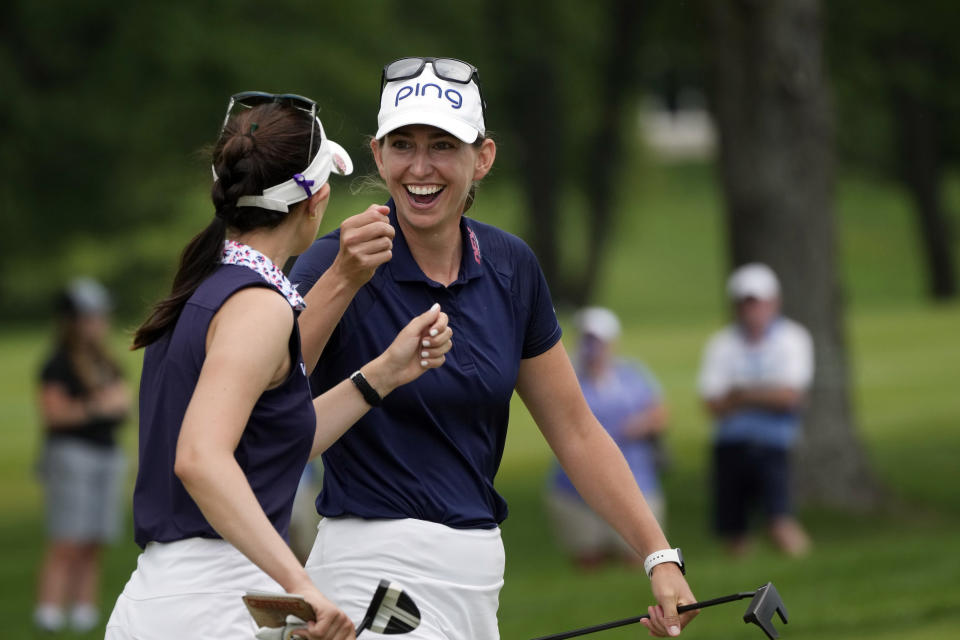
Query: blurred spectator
x,y
754,377
83,399
626,399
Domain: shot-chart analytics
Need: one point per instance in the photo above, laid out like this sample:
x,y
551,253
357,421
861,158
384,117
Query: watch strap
x,y
369,394
664,555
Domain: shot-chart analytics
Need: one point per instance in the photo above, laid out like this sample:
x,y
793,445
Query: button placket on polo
x,y
460,351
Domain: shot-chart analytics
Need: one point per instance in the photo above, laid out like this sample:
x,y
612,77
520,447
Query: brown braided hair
x,y
259,148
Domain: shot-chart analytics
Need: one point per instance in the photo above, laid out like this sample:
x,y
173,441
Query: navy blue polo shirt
x,y
432,449
276,441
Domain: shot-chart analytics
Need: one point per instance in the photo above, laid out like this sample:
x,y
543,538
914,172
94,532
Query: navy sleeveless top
x,y
276,441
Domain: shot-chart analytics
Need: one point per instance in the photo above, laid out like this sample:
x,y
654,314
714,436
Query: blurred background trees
x,y
898,106
774,114
106,109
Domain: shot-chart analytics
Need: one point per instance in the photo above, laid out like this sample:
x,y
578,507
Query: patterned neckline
x,y
246,256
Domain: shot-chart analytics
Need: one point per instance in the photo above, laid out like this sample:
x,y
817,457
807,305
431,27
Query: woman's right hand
x,y
331,622
366,242
671,590
419,346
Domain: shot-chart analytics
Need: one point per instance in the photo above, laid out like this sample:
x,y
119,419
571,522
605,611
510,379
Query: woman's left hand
x,y
671,590
419,346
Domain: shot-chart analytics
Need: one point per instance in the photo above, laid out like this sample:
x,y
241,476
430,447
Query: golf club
x,y
766,601
281,616
391,611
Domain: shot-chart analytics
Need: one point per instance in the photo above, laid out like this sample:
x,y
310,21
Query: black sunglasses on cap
x,y
251,99
449,69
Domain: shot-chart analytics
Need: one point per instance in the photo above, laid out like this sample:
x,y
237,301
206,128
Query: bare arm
x,y
366,241
548,386
647,423
230,382
770,398
59,410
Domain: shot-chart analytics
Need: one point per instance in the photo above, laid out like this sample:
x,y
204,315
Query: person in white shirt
x,y
753,380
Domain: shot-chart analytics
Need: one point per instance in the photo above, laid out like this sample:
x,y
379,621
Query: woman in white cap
x,y
409,491
626,399
226,418
83,401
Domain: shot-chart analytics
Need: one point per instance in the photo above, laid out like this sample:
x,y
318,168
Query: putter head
x,y
760,612
391,611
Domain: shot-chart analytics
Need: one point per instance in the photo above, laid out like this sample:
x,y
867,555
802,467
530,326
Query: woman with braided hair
x,y
226,418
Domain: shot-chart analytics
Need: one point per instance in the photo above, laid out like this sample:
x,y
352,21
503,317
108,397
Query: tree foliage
x,y
894,66
107,105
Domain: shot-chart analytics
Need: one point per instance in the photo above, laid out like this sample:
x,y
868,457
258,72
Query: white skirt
x,y
188,589
453,575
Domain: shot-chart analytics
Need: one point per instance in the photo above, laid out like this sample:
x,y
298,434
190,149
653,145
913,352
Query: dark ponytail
x,y
247,159
198,260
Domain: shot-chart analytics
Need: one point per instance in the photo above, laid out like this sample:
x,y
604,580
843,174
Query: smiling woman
x,y
431,175
409,491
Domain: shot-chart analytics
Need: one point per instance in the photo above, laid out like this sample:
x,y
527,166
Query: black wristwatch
x,y
369,393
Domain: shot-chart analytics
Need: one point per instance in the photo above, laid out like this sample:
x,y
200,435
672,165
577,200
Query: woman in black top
x,y
83,400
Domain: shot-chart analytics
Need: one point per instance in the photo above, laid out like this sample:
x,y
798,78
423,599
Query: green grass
x,y
889,574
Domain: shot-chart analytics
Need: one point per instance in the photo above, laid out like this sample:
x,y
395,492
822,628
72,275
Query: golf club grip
x,y
625,621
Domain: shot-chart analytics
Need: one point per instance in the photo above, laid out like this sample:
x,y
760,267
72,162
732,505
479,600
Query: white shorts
x,y
188,589
83,486
453,575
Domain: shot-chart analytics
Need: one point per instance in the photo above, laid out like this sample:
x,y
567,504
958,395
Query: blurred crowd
x,y
752,382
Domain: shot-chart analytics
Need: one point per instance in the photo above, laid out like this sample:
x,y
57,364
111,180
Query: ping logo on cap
x,y
454,97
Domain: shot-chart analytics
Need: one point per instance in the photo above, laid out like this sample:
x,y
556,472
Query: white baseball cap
x,y
599,322
86,296
426,99
754,280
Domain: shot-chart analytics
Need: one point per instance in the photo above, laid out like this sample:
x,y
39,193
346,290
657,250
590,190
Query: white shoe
x,y
48,617
84,617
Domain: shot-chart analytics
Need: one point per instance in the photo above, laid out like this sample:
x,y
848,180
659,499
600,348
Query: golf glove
x,y
286,632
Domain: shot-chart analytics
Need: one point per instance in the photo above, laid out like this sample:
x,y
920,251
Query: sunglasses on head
x,y
251,99
449,69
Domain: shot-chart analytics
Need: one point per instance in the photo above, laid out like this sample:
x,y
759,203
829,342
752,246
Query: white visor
x,y
330,158
426,99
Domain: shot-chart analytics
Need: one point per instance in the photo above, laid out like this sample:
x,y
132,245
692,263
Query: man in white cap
x,y
753,379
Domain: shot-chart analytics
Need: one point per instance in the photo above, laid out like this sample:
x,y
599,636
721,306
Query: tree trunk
x,y
773,113
618,75
532,88
921,168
